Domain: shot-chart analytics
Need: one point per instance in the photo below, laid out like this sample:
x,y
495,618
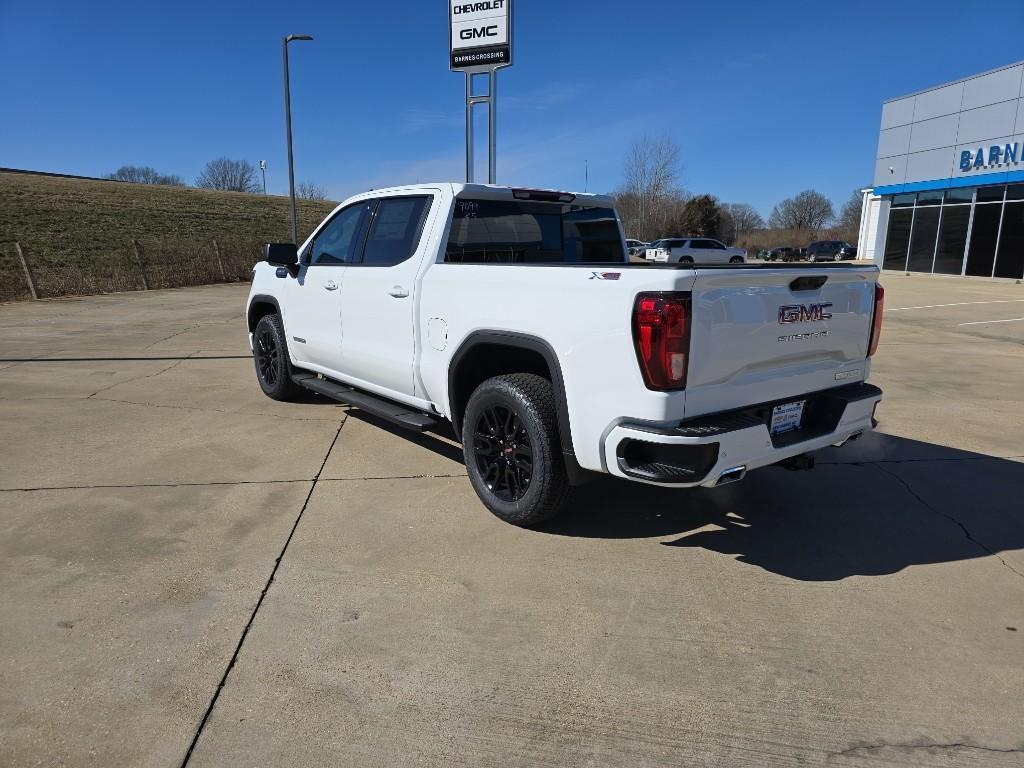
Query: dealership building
x,y
949,179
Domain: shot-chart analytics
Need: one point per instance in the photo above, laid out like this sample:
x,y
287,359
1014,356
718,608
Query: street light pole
x,y
288,129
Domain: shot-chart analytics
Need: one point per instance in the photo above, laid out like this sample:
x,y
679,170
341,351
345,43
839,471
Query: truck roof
x,y
497,191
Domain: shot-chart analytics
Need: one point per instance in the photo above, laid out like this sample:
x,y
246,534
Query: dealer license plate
x,y
786,418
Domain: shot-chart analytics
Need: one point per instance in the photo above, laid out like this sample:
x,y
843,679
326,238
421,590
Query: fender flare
x,y
533,344
260,299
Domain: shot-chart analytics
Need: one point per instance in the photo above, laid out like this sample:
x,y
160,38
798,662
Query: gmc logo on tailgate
x,y
804,313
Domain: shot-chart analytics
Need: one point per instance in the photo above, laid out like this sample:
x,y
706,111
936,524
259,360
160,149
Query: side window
x,y
396,229
715,245
340,241
699,244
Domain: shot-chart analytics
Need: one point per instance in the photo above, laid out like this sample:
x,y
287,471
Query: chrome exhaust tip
x,y
733,475
851,439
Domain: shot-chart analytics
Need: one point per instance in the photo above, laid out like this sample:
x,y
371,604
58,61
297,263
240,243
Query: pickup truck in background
x,y
694,250
514,318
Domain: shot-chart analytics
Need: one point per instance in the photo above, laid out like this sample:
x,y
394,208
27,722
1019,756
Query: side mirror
x,y
282,255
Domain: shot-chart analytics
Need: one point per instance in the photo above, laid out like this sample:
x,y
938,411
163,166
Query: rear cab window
x,y
533,232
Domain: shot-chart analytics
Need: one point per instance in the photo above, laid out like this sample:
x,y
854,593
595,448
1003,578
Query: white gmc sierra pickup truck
x,y
514,316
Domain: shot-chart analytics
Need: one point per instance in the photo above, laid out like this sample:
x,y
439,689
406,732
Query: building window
x,y
976,231
984,233
960,195
922,241
898,238
949,258
1010,262
991,194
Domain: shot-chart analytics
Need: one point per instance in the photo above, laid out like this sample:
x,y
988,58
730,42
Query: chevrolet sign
x,y
479,34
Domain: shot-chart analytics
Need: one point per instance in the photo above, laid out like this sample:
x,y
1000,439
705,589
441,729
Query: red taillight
x,y
876,324
661,331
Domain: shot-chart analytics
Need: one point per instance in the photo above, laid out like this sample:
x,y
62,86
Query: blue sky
x,y
764,98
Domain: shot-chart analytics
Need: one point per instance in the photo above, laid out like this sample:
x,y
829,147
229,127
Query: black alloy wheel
x,y
504,456
268,357
270,354
513,450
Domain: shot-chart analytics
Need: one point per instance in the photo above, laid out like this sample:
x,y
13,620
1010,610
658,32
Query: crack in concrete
x,y
193,328
115,486
259,602
137,378
174,336
17,361
221,483
967,534
385,478
923,745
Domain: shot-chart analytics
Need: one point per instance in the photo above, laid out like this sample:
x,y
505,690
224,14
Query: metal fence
x,y
137,266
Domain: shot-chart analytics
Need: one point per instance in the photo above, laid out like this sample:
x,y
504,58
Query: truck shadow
x,y
872,508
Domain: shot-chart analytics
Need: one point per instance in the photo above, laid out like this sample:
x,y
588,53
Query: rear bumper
x,y
723,447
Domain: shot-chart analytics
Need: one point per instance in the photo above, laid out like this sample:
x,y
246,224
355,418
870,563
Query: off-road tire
x,y
270,355
490,453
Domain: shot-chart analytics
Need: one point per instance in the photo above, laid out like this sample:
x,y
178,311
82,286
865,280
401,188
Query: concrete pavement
x,y
167,529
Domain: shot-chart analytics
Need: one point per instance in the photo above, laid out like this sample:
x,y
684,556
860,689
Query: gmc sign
x,y
479,34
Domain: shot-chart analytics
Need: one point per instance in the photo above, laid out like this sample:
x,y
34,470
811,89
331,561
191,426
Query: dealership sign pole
x,y
480,43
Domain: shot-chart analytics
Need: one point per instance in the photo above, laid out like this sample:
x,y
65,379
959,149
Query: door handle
x,y
330,285
398,292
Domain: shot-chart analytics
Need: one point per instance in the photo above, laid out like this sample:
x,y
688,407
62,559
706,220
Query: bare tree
x,y
739,219
650,197
744,216
850,215
307,190
229,175
809,210
143,174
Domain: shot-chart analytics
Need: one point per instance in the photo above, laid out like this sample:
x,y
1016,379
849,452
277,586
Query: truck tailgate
x,y
760,336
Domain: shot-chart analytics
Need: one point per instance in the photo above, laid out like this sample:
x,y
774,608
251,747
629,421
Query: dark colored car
x,y
830,250
636,247
785,253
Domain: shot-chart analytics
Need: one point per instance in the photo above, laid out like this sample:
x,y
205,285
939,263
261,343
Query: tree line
x,y
653,204
223,174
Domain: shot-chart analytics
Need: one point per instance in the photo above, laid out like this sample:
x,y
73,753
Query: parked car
x,y
830,250
514,318
636,247
694,250
784,253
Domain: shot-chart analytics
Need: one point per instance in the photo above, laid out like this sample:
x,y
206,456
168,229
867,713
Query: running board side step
x,y
396,413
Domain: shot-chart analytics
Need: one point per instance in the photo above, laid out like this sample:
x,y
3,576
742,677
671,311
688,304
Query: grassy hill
x,y
81,236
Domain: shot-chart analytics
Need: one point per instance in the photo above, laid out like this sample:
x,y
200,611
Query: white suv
x,y
695,250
